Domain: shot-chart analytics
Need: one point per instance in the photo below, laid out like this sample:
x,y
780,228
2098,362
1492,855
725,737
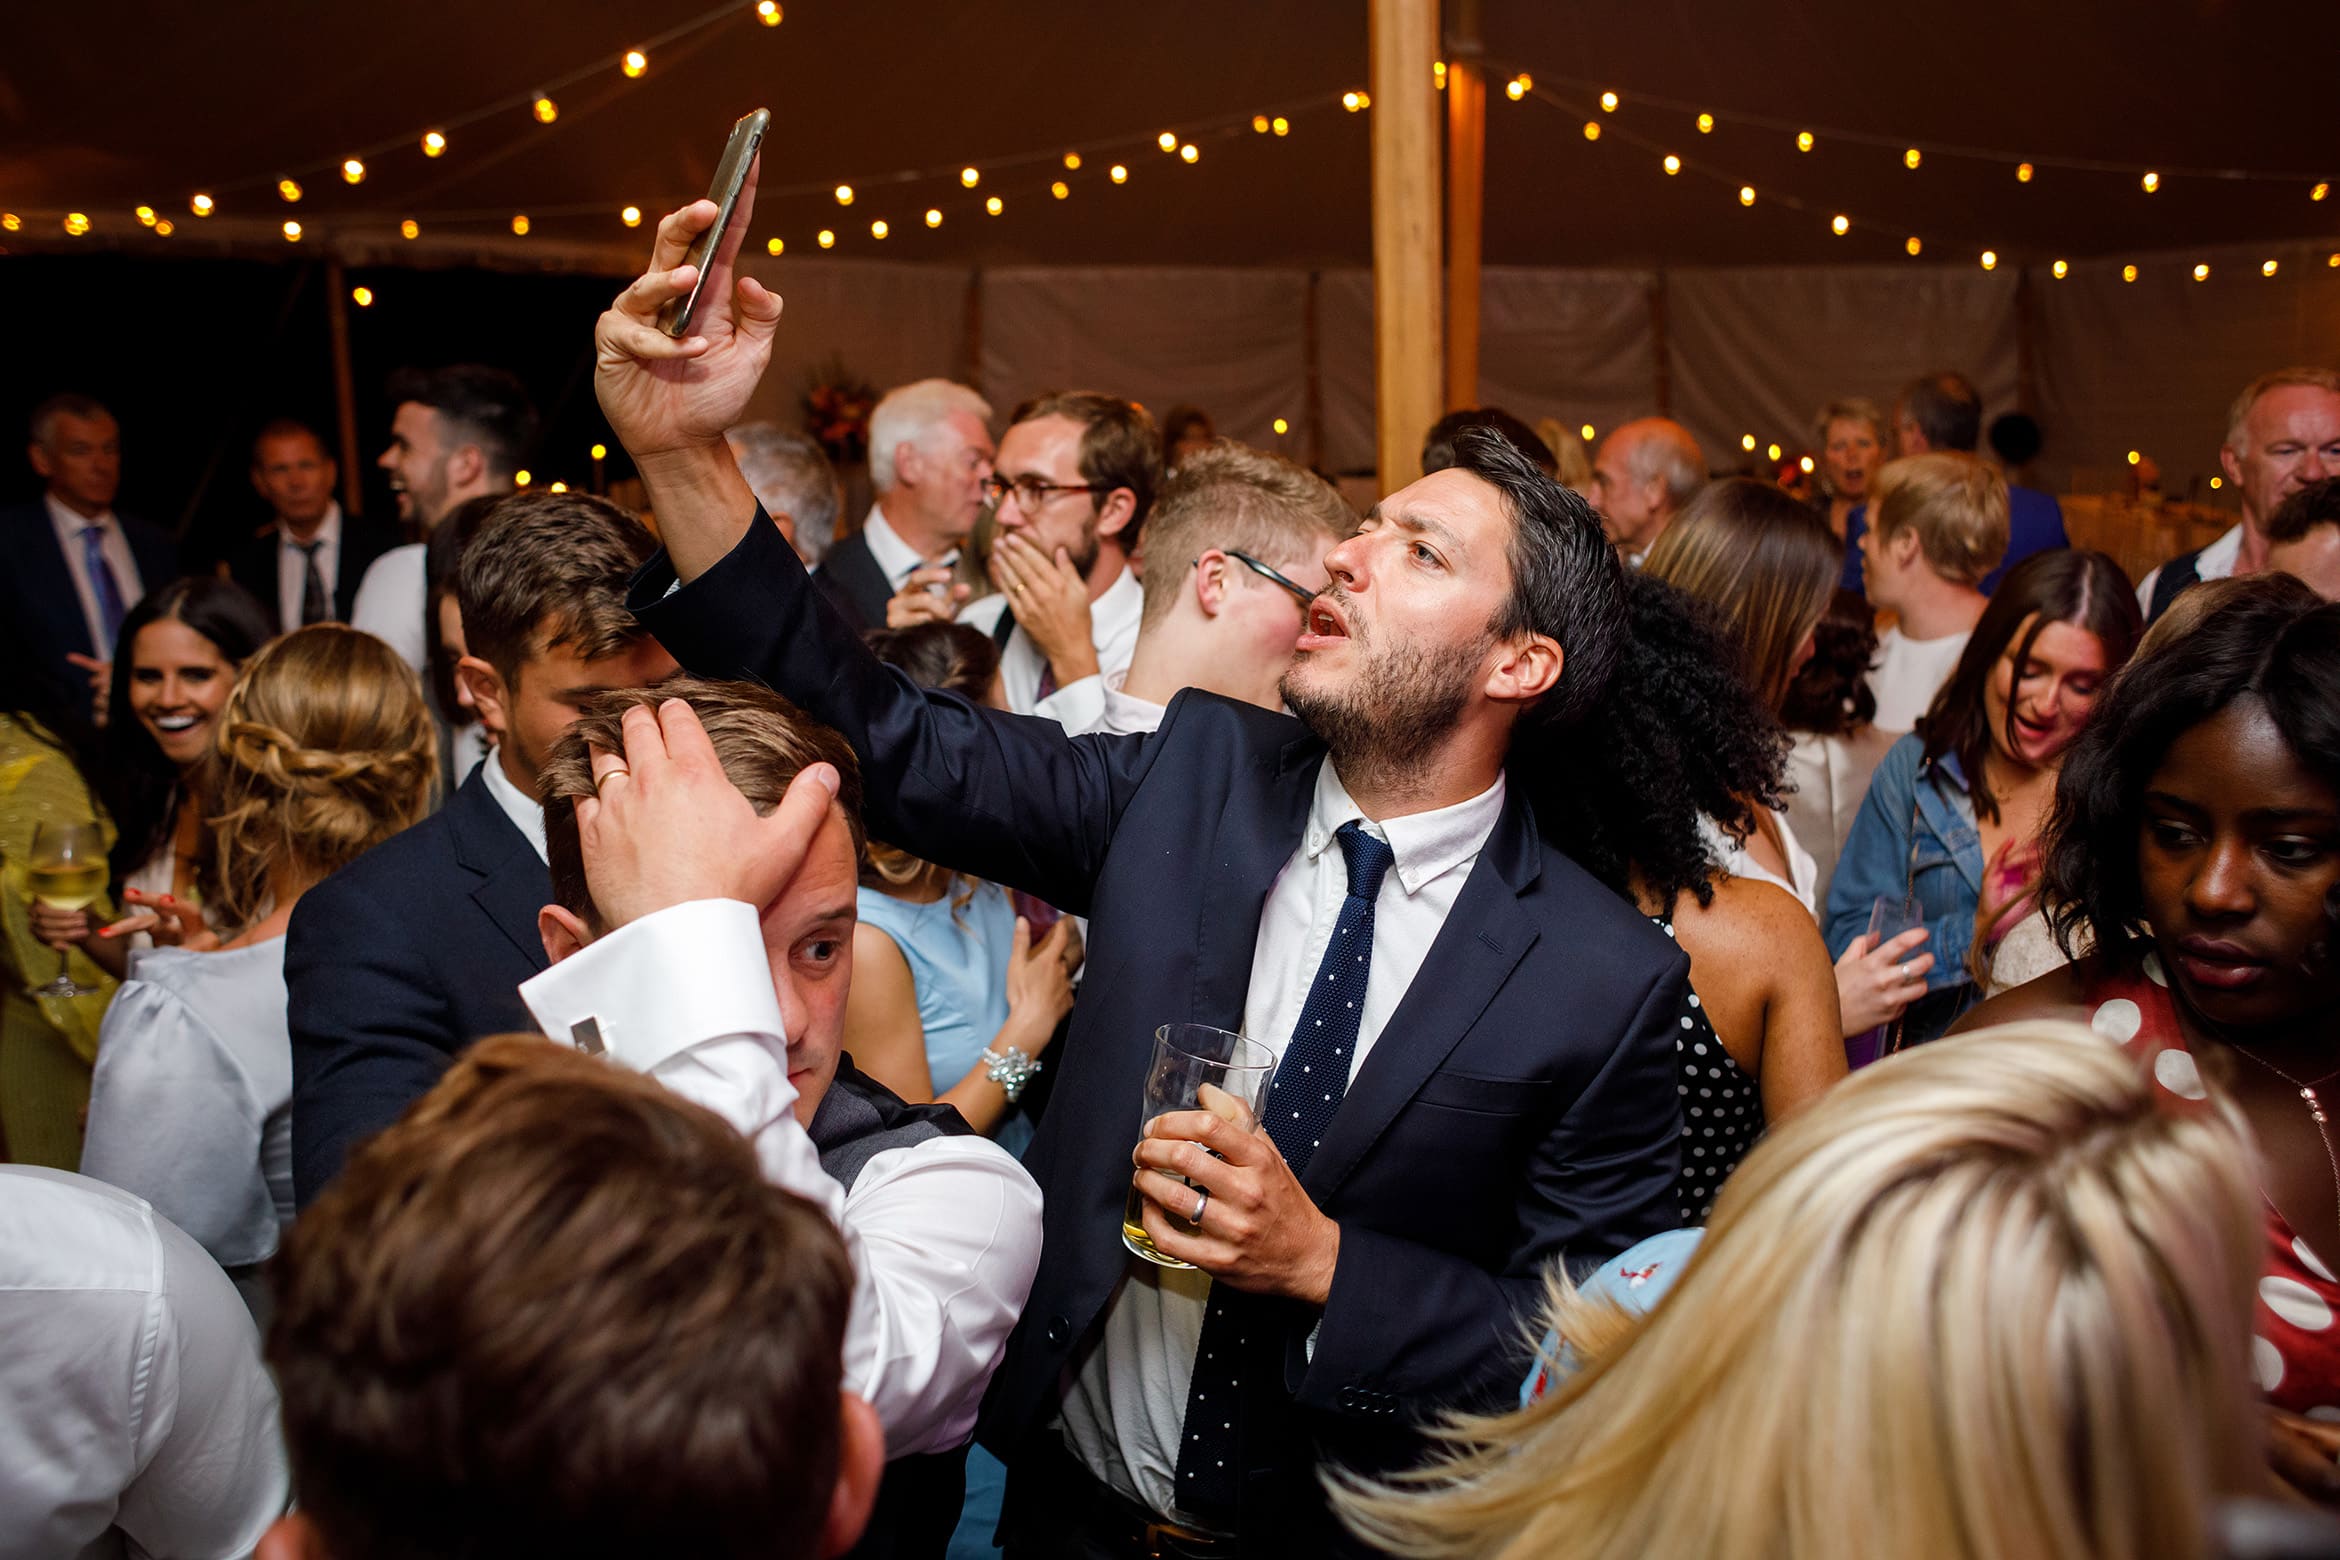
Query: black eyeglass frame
x,y
1300,592
999,487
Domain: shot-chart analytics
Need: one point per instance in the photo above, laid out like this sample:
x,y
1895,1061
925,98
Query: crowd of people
x,y
625,1033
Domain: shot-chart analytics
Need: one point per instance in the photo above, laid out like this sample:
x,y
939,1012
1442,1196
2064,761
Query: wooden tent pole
x,y
1466,178
1407,355
344,389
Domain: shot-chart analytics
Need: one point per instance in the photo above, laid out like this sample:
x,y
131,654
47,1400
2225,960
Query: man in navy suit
x,y
76,568
305,563
418,948
929,451
1478,1067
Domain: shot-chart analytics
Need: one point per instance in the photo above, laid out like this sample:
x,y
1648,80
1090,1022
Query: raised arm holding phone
x,y
1514,1105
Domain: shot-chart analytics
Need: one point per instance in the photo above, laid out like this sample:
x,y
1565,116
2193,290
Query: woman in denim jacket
x,y
1952,819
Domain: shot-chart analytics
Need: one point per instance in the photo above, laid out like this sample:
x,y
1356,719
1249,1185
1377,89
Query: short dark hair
x,y
486,406
1566,582
1831,695
442,564
1438,445
556,1308
41,427
550,569
1120,448
2316,504
2015,438
949,656
2271,639
2066,585
287,428
1946,409
762,741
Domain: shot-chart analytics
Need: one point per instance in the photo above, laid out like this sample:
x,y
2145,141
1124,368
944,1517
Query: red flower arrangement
x,y
836,412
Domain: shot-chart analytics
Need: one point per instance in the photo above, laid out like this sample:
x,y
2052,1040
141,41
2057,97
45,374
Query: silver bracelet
x,y
1011,1069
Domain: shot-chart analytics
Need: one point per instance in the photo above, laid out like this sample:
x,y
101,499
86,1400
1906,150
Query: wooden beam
x,y
1466,180
1407,353
353,489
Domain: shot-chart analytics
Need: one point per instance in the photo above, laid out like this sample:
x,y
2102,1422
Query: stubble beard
x,y
1393,720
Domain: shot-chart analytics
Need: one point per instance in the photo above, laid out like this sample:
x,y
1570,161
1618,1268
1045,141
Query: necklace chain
x,y
2307,1092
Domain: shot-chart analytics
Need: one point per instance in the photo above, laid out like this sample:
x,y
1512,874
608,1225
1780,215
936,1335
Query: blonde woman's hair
x,y
1766,564
324,750
1956,503
1989,1298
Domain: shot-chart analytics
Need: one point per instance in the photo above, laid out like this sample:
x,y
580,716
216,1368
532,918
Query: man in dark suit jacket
x,y
416,949
51,584
304,565
929,451
1511,1100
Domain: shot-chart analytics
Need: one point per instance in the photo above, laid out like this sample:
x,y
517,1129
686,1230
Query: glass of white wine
x,y
67,867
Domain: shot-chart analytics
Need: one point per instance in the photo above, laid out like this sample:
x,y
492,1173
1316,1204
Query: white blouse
x,y
1731,856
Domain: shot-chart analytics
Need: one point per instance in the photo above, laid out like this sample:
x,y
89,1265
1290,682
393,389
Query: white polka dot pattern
x,y
2295,1303
2117,1020
2176,1072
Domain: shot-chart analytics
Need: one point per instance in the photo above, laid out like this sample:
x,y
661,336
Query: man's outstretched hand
x,y
669,401
666,826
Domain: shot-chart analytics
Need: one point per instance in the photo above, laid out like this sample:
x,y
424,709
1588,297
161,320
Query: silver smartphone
x,y
739,155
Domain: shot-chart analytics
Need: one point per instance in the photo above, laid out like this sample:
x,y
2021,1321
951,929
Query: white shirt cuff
x,y
654,989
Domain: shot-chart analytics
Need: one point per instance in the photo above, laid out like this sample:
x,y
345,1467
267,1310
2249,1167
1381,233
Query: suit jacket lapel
x,y
513,884
1482,942
1266,811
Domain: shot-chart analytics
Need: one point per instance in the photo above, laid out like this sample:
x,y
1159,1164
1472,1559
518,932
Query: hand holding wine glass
x,y
66,868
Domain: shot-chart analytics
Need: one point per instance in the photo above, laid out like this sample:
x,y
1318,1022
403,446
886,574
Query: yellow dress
x,y
47,1044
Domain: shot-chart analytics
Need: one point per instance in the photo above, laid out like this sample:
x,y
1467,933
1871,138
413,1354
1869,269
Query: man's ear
x,y
467,465
1903,546
909,464
258,486
861,1463
562,931
332,472
2229,461
1211,583
38,454
1113,516
485,687
1527,669
292,1537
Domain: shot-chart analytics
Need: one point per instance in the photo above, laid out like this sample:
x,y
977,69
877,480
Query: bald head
x,y
1643,473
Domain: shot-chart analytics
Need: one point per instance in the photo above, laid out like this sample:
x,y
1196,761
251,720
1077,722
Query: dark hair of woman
x,y
1831,696
2068,585
31,695
1679,736
956,659
2273,641
140,786
442,562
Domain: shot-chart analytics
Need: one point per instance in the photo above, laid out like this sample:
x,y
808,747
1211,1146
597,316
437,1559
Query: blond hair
x,y
1957,504
1764,562
324,750
1990,1297
2238,415
1237,499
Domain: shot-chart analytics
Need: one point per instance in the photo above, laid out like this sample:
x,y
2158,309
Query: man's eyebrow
x,y
1422,525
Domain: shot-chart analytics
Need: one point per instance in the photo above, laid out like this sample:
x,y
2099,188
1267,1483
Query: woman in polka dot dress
x,y
2197,838
1682,739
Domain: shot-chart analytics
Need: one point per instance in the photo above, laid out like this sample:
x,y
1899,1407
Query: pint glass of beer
x,y
1190,1059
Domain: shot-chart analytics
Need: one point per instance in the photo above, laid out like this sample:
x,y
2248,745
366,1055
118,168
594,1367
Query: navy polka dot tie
x,y
1310,1082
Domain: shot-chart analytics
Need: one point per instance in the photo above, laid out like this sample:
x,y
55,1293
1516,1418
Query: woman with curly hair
x,y
2195,847
323,749
1681,740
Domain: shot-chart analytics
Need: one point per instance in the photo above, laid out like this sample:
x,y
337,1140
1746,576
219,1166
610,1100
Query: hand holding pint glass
x,y
1196,1067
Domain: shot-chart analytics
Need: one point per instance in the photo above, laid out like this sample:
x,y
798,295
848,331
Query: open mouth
x,y
1324,623
176,723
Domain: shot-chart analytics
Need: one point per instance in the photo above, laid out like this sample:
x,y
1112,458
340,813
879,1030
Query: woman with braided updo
x,y
323,750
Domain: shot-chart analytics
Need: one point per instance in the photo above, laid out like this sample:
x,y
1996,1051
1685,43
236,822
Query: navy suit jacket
x,y
2035,523
1520,1106
850,577
251,563
400,960
36,587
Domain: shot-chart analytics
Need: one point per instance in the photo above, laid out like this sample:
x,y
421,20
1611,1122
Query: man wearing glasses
x,y
1235,548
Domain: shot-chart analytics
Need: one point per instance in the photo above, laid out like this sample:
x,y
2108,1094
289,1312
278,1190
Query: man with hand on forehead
x,y
1477,1039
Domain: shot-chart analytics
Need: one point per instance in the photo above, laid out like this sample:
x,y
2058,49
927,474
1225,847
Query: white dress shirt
x,y
944,1234
116,547
527,816
1124,1413
1113,630
1908,673
1097,706
389,604
896,559
191,1104
2214,562
292,567
135,1415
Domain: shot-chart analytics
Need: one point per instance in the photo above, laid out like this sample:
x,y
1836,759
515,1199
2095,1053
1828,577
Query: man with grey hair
x,y
1643,473
794,482
930,450
2282,433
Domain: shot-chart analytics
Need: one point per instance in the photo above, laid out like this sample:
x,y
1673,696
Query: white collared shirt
x,y
116,548
1113,630
292,566
389,604
1098,705
1126,1410
2214,562
944,1234
527,816
135,1414
895,558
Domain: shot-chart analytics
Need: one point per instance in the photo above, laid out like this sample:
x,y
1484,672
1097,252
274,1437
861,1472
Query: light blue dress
x,y
958,966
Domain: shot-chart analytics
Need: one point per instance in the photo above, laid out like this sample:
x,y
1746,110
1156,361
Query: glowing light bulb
x,y
1119,174
1282,125
878,229
995,205
288,188
631,216
2333,261
1840,224
292,231
2320,191
775,247
546,110
600,452
2128,273
1259,123
1706,124
1803,140
2201,273
1990,259
352,171
1608,102
844,194
970,177
1592,129
77,223
145,216
1912,157
2268,268
1746,194
768,12
433,143
1169,142
827,239
2216,484
1914,244
363,297
163,226
1072,160
635,62
1281,426
410,229
2135,457
520,224
1586,433
1747,442
933,217
10,222
202,205
1805,465
2059,270
1673,164
1352,101
523,477
2151,182
559,487
1515,88
2023,173
1771,452
1060,189
1438,74
1189,152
